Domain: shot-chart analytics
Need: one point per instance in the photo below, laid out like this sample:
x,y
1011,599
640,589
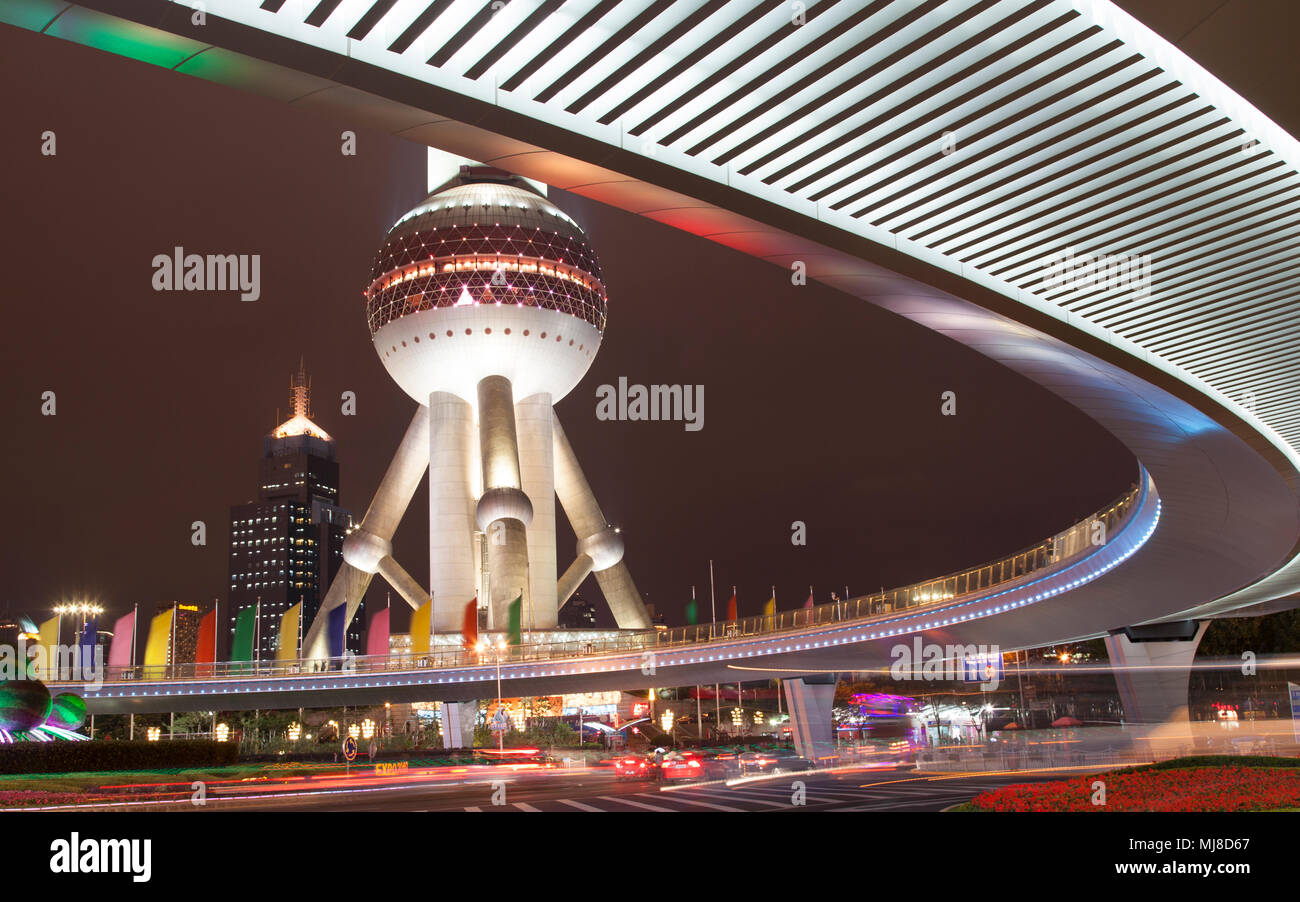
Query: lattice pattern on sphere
x,y
476,240
445,289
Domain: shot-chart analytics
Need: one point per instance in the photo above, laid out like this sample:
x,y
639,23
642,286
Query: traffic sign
x,y
349,748
499,722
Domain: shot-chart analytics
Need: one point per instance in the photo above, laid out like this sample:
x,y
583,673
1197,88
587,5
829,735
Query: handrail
x,y
1056,550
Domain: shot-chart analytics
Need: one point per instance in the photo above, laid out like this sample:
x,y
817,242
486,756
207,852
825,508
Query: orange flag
x,y
469,626
731,607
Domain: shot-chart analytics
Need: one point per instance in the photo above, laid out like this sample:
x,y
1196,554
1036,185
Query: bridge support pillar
x,y
1152,665
458,724
809,701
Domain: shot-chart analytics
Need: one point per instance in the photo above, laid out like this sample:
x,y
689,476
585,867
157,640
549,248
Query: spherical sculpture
x,y
67,711
486,278
24,705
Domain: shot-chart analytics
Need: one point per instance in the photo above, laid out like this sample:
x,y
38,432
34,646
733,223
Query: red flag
x,y
469,627
731,608
206,653
377,635
808,605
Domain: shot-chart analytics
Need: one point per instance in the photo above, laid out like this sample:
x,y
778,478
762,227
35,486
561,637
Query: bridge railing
x,y
1060,549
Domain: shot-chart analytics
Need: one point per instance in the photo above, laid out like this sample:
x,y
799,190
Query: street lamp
x,y
484,645
82,609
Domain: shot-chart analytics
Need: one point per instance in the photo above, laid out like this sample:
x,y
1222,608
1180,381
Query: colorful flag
x,y
514,617
377,635
157,648
89,639
337,630
420,622
205,655
692,612
48,634
245,633
288,647
731,608
469,625
119,652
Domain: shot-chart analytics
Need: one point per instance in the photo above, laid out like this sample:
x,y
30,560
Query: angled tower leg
x,y
600,547
370,543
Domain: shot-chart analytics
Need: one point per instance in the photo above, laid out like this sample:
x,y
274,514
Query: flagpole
x,y
713,608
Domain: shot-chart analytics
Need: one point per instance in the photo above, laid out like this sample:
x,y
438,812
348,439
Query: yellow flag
x,y
160,640
420,628
49,640
288,650
769,609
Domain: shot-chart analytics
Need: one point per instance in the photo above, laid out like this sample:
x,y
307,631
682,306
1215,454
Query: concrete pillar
x,y
809,700
1152,665
458,724
377,527
596,539
503,511
451,509
533,418
507,569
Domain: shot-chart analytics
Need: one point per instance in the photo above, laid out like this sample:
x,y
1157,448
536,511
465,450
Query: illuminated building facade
x,y
185,629
578,614
287,546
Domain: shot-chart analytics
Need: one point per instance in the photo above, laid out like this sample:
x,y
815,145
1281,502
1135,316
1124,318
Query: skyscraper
x,y
286,546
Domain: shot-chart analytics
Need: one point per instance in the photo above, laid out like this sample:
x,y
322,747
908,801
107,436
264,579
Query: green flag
x,y
245,626
513,620
692,612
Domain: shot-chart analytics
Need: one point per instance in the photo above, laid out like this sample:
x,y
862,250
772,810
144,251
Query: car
x,y
634,767
693,766
772,761
786,760
754,763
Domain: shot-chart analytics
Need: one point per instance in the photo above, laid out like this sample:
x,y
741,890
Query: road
x,y
599,791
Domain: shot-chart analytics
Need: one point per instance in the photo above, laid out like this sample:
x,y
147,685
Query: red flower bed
x,y
35,798
1192,789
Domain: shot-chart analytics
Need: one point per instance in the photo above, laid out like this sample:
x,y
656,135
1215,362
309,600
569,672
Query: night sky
x,y
818,406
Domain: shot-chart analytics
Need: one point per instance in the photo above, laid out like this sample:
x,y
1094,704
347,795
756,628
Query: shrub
x,y
71,757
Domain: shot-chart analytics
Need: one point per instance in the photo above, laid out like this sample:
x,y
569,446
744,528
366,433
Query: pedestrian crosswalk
x,y
795,795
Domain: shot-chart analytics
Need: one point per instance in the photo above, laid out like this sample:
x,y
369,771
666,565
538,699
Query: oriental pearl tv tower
x,y
486,305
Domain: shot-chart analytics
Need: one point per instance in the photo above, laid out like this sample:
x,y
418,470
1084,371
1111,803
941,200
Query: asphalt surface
x,y
600,791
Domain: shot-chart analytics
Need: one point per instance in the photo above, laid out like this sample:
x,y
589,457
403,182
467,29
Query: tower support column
x,y
451,509
537,475
504,511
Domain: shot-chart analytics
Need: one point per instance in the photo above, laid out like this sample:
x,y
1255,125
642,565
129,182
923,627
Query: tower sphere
x,y
486,277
